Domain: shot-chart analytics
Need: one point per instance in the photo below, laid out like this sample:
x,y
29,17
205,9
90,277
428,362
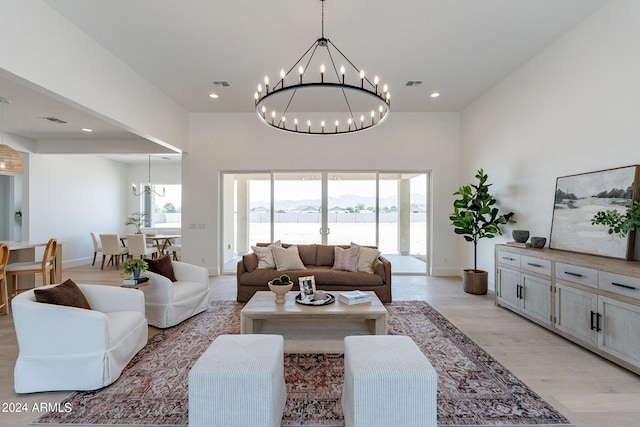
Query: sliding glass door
x,y
383,209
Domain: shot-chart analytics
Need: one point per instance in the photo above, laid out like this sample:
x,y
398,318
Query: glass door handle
x,y
324,231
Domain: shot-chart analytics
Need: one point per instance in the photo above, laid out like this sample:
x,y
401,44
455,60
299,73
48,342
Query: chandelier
x,y
330,100
148,187
10,161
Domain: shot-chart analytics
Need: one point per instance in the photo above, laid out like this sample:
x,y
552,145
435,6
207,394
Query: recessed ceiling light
x,y
87,130
435,94
213,95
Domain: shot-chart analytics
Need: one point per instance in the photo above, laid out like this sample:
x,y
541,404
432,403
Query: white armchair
x,y
69,348
168,303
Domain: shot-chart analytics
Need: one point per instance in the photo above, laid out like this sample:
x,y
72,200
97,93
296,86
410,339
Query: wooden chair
x,y
96,247
111,247
47,266
4,295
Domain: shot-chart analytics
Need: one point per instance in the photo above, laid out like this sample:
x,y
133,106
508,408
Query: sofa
x,y
175,292
318,261
64,347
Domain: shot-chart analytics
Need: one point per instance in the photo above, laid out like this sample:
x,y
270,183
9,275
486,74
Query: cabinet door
x,y
536,298
620,323
507,282
573,312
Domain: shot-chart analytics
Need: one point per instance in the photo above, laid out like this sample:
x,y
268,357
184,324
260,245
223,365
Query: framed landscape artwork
x,y
579,197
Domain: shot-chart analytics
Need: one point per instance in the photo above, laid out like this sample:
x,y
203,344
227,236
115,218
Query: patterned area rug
x,y
473,388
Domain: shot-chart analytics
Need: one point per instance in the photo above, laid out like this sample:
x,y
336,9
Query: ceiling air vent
x,y
54,120
413,83
221,83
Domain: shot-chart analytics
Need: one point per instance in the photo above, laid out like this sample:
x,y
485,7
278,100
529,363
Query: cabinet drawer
x,y
619,284
537,265
509,258
573,273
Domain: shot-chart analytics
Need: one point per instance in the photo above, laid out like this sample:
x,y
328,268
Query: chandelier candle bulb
x,y
283,121
309,126
322,69
337,123
322,124
373,115
266,84
342,71
273,117
375,82
362,79
282,75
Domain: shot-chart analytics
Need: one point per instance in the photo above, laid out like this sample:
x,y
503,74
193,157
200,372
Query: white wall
x,y
56,58
239,142
574,108
72,195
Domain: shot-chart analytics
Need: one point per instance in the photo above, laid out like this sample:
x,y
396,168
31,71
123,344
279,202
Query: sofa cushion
x,y
325,255
67,293
287,258
265,256
324,275
346,259
250,262
163,267
366,257
307,254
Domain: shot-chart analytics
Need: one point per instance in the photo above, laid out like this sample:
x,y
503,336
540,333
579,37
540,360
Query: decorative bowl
x,y
538,242
280,291
520,236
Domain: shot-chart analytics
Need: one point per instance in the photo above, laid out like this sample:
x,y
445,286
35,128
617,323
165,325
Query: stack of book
x,y
353,297
132,281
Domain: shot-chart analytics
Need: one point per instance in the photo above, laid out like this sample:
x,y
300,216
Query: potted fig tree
x,y
475,217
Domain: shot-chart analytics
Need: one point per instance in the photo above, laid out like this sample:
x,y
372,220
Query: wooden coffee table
x,y
312,329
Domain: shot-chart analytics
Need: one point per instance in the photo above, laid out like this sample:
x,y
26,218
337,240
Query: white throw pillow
x,y
288,258
366,257
265,255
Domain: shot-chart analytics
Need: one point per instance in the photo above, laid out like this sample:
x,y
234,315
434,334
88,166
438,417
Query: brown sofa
x,y
318,260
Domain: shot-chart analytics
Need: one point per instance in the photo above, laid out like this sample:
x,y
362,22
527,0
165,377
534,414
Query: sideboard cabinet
x,y
590,300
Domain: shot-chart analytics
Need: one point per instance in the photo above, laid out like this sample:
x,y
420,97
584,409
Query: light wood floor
x,y
587,389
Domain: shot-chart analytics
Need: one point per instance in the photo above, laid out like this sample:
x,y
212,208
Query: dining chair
x,y
4,295
137,244
46,266
111,247
96,247
175,250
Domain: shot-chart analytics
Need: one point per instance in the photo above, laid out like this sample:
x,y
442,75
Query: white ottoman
x,y
239,382
387,382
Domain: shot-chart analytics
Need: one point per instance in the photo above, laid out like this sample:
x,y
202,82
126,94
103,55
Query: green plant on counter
x,y
620,224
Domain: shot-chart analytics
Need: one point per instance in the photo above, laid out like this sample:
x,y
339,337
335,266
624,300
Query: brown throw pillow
x,y
162,266
67,293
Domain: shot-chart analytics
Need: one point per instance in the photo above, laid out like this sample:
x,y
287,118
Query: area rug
x,y
473,388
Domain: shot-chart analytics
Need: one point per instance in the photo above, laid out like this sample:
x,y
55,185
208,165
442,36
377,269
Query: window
x,y
388,210
162,211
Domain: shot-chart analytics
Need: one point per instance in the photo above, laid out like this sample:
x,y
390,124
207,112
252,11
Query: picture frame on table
x,y
578,198
307,287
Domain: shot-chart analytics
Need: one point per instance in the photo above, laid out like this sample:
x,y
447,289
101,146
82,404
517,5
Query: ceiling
x,y
459,48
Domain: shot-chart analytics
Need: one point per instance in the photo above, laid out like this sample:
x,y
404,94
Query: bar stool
x,y
47,267
4,296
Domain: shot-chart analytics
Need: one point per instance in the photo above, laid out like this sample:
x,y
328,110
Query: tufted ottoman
x,y
387,382
239,382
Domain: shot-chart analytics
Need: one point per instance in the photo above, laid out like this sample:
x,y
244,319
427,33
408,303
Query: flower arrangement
x,y
133,265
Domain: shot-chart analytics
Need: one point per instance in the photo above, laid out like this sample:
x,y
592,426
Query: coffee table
x,y
312,329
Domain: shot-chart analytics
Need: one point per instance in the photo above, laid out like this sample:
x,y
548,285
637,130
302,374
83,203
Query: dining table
x,y
160,241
